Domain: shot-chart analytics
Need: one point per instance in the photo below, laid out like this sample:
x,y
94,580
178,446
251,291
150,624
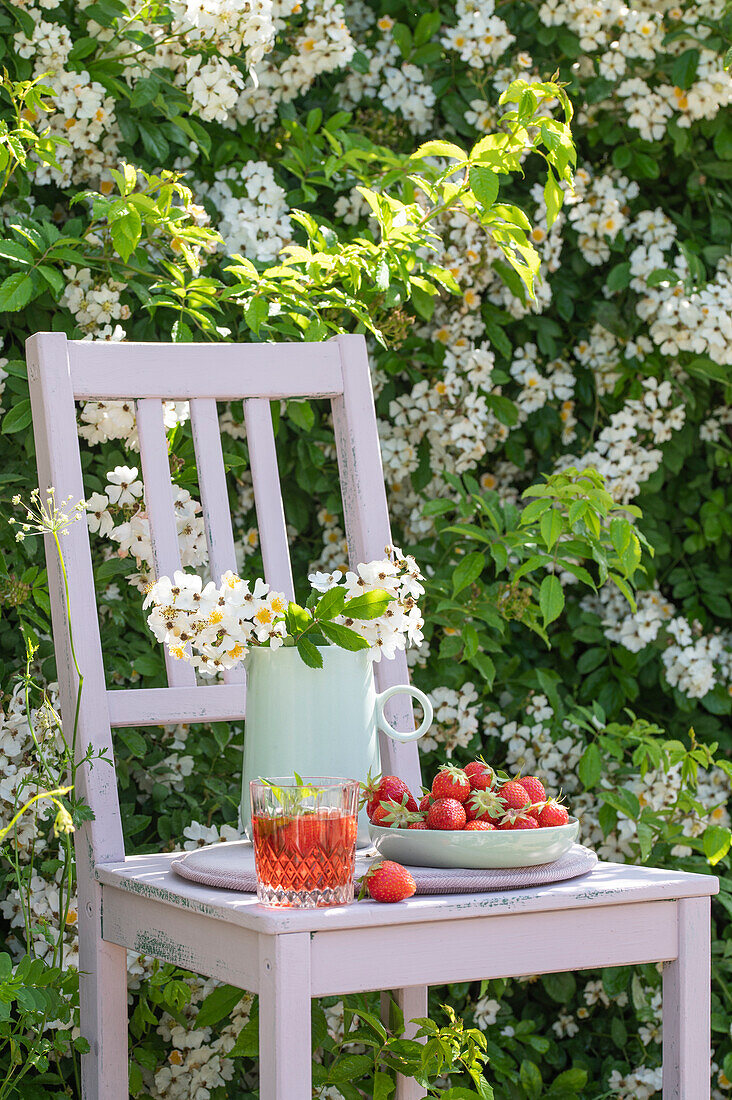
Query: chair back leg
x,y
412,1000
686,1006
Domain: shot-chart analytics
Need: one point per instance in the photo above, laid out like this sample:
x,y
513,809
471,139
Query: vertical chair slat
x,y
214,498
368,531
268,495
160,511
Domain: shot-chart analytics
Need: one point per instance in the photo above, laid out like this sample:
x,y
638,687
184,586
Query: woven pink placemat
x,y
231,867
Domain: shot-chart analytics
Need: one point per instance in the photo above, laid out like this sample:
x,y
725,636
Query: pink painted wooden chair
x,y
621,915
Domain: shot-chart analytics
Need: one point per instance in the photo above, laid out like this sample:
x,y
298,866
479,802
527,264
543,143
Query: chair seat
x,y
151,877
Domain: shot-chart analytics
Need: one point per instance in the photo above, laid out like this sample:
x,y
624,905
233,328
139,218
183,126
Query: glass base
x,y
278,897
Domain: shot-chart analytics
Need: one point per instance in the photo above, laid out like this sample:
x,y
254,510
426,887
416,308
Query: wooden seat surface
x,y
151,876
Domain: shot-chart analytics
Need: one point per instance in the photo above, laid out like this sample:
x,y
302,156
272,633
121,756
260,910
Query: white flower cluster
x,y
480,36
232,26
253,214
105,420
83,112
455,721
334,554
537,389
395,84
400,625
323,44
213,626
597,211
95,306
639,1084
41,903
693,662
695,321
626,451
198,1062
122,500
627,38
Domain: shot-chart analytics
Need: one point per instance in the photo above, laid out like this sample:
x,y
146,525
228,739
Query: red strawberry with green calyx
x,y
484,806
384,788
553,814
451,782
391,814
388,881
481,775
446,813
514,796
518,819
535,790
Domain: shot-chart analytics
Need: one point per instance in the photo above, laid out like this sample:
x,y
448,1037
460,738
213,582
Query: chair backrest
x,y
62,372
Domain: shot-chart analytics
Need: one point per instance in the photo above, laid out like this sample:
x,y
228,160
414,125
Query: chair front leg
x,y
686,1006
285,1050
412,1000
103,1000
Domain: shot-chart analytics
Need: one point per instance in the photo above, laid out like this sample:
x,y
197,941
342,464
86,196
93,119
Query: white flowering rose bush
x,y
548,303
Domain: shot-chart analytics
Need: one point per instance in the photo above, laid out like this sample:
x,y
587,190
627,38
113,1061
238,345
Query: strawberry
x,y
420,824
451,782
518,819
521,821
481,775
483,806
553,814
535,790
385,788
446,813
392,814
514,796
475,825
389,881
426,801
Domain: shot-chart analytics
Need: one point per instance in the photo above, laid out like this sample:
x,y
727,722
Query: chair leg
x,y
412,1001
103,999
686,1006
285,1049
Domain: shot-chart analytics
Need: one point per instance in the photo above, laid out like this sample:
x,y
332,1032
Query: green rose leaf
x,y
467,570
331,603
309,653
369,605
717,839
343,636
484,183
551,599
16,291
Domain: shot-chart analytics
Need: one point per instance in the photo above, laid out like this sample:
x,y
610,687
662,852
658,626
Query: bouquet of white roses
x,y
214,626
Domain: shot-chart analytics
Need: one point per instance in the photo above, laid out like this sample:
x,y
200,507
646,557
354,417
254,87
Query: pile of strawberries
x,y
471,798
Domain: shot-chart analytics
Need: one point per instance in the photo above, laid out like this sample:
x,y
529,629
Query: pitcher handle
x,y
420,696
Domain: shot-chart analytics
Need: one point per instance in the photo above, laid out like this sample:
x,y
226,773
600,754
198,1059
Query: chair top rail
x,y
224,372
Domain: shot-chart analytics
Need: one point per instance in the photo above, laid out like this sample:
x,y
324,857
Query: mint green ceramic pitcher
x,y
316,721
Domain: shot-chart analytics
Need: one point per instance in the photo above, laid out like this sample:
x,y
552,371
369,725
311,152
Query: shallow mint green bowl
x,y
474,850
